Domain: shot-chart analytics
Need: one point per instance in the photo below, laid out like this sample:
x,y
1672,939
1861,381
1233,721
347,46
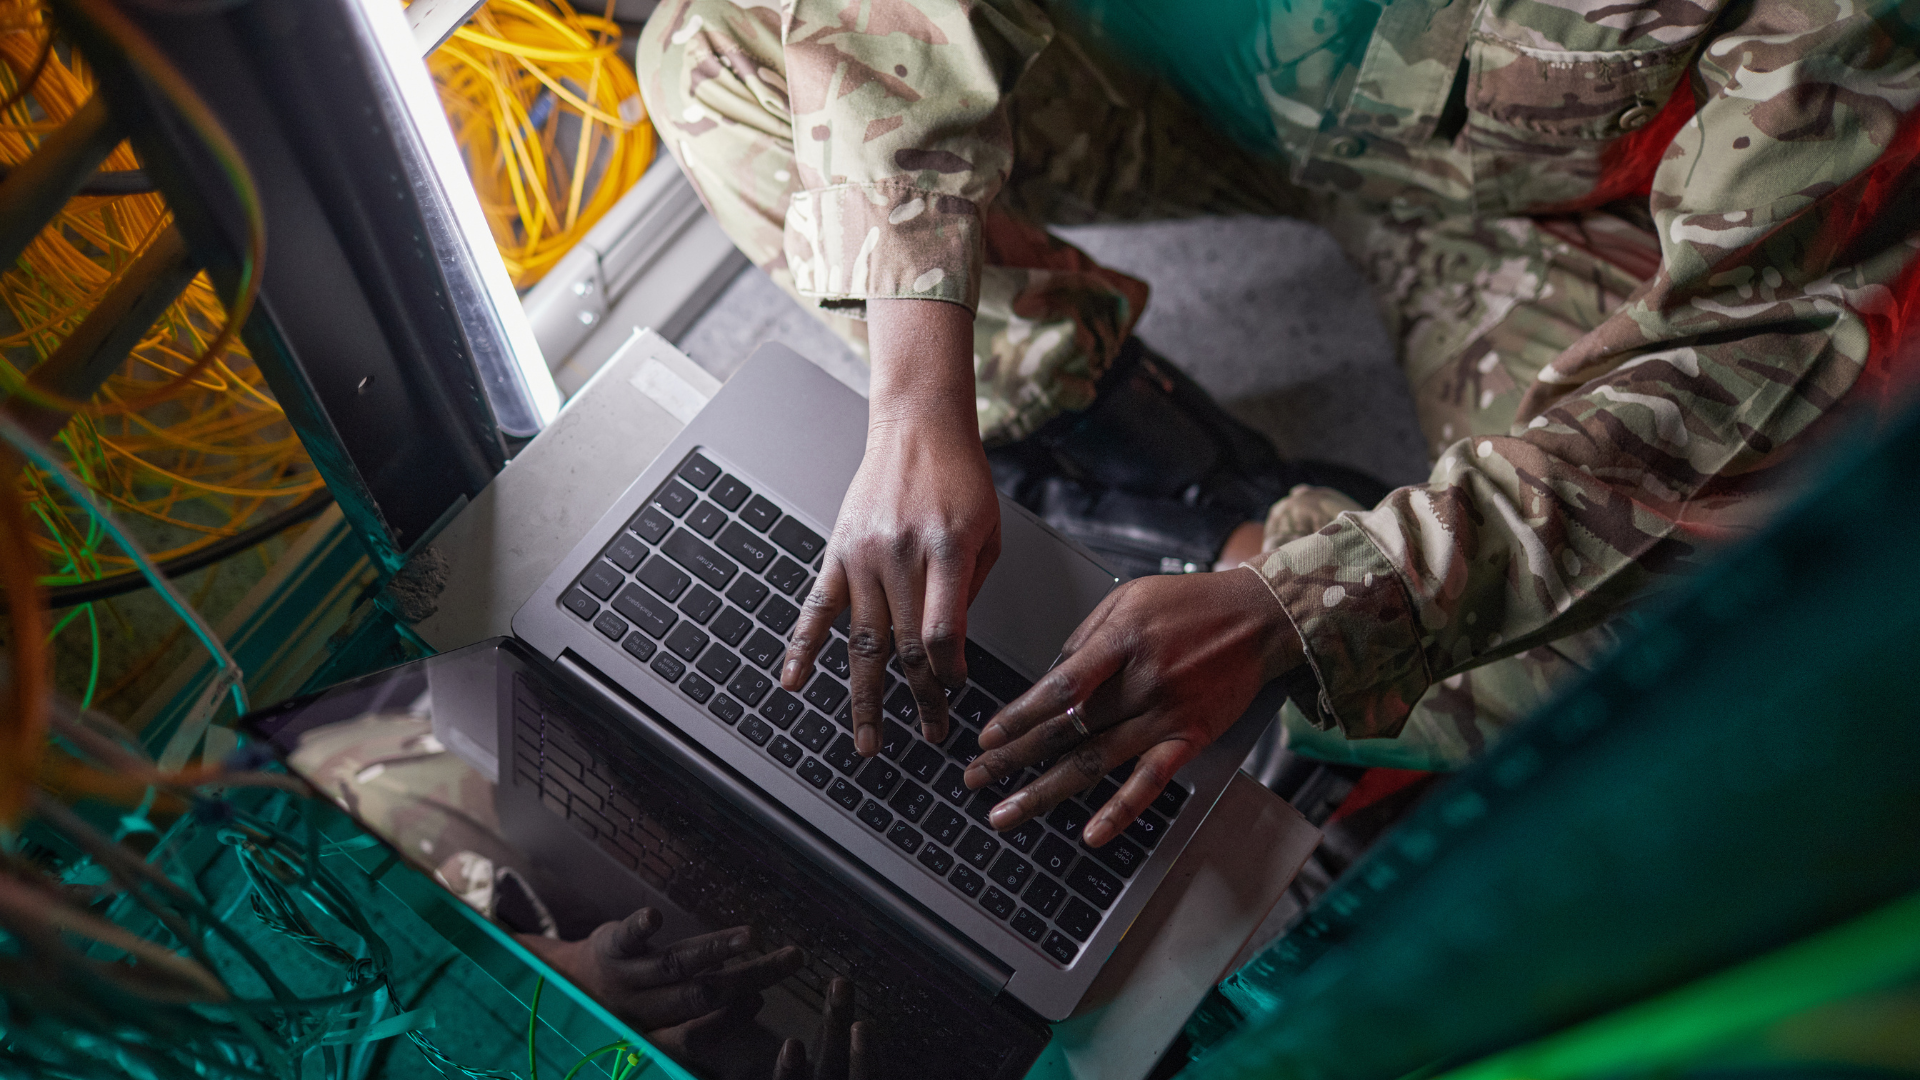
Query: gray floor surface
x,y
1265,313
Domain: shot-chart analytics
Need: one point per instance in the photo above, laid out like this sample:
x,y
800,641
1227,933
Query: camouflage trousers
x,y
1476,306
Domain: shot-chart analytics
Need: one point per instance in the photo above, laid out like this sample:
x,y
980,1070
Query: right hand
x,y
919,528
843,1050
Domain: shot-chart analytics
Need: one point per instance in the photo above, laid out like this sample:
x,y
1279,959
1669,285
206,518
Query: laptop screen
x,y
491,774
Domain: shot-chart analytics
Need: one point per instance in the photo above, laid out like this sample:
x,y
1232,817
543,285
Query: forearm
x,y
922,355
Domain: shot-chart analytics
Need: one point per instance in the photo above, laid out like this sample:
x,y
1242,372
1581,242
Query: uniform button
x,y
1347,146
1637,117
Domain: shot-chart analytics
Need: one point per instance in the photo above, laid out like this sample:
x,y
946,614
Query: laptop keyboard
x,y
701,588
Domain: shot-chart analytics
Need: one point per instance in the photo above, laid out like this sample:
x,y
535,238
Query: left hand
x,y
1162,668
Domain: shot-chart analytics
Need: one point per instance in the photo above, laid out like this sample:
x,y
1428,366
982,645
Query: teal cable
x,y
36,452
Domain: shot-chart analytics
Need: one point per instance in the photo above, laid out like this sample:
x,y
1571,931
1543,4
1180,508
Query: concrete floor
x,y
1266,313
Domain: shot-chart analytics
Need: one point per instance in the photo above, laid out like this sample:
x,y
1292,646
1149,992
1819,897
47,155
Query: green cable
x,y
582,1063
533,1019
93,671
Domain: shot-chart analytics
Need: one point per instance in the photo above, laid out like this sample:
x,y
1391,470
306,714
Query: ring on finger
x,y
1079,725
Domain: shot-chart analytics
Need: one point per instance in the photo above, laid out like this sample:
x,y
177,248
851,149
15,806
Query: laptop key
x,y
779,615
756,730
782,709
730,492
965,745
967,881
813,732
651,524
977,848
706,519
646,611
911,802
611,626
626,551
981,805
903,836
699,604
753,551
699,472
1054,855
879,776
952,786
834,659
923,762
1147,829
760,513
813,772
748,592
935,860
1169,801
639,646
663,577
668,667
843,757
1027,836
843,793
1060,947
1120,856
874,816
1045,894
900,704
727,709
696,687
687,640
786,575
699,558
1029,926
1068,818
602,580
894,740
1010,872
750,686
944,825
674,498
763,649
1093,883
578,602
731,627
975,708
797,538
1077,919
718,664
825,693
997,902
784,751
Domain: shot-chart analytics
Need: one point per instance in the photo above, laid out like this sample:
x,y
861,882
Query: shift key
x,y
702,561
751,549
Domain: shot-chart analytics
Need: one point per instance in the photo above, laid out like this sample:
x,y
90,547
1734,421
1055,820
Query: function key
x,y
1068,818
786,575
779,615
651,524
784,751
903,836
687,640
1060,947
1093,883
815,773
749,686
763,649
1078,920
797,538
645,610
668,667
580,604
751,550
700,604
639,646
706,519
843,793
699,472
760,513
663,577
923,762
911,802
730,492
936,860
731,626
610,625
944,825
1029,926
1045,894
1171,800
1147,829
727,709
747,592
719,664
978,848
997,902
756,730
874,816
1054,855
674,498
1027,836
696,687
967,881
626,551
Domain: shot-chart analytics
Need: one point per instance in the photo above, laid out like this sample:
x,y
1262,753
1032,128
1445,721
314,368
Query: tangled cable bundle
x,y
550,120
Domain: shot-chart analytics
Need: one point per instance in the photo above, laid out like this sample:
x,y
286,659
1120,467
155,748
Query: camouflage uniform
x,y
1631,253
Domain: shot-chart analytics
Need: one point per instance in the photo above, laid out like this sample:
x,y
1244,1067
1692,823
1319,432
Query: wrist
x,y
1279,646
922,360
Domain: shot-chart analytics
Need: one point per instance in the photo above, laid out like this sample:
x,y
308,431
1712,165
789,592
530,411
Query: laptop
x,y
653,648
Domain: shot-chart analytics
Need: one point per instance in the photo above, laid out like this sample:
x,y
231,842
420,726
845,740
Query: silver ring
x,y
1073,717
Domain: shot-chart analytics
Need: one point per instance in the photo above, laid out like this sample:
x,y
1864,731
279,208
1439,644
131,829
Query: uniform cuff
x,y
851,243
1358,625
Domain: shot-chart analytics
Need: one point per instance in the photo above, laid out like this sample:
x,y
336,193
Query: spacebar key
x,y
702,561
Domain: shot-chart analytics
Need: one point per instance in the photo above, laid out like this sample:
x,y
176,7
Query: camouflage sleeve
x,y
1785,214
901,136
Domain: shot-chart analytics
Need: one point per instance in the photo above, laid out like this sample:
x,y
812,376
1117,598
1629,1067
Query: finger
x,y
906,586
792,1064
830,1051
752,975
1151,776
691,956
862,1058
722,1024
869,643
628,938
1077,770
1071,682
824,603
1049,739
943,631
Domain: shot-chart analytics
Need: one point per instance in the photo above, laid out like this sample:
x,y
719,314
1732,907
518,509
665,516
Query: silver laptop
x,y
676,605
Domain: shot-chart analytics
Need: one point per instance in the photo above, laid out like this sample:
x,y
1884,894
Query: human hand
x,y
919,528
1162,668
844,1050
696,981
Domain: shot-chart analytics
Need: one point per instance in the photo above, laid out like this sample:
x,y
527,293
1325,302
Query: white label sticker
x,y
669,391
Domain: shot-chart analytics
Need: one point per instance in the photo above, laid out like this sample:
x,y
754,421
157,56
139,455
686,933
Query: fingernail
x,y
1008,812
991,736
741,940
933,736
976,776
866,741
791,671
1095,833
